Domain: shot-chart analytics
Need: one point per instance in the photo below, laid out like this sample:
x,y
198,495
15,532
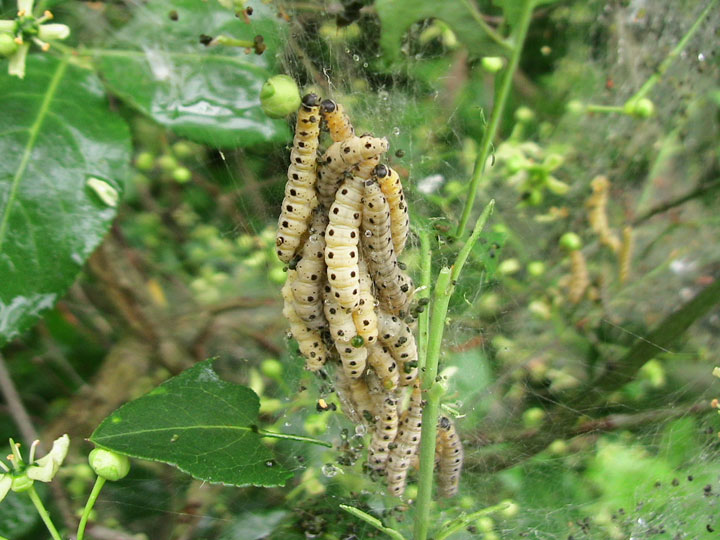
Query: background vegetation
x,y
594,417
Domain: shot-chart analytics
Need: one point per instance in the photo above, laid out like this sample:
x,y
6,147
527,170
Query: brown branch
x,y
700,190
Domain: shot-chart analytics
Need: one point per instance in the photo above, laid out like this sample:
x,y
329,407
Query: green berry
x,y
167,163
533,417
575,107
524,115
509,266
536,268
570,241
277,275
145,161
182,149
7,45
271,368
492,64
108,464
644,108
182,175
280,96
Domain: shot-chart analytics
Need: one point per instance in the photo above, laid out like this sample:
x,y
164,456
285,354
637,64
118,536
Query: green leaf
x,y
512,9
207,94
396,17
56,134
17,515
199,423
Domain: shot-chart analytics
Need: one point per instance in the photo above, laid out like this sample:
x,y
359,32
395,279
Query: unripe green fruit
x,y
570,241
492,64
21,484
167,163
182,175
7,45
524,115
280,96
182,149
145,161
536,268
533,417
109,465
644,108
575,107
271,368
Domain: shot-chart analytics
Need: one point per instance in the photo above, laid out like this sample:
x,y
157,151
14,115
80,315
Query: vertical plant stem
x,y
99,483
44,515
433,390
425,276
670,58
497,112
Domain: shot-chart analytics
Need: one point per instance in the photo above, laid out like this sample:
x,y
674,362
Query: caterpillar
x,y
391,187
625,254
450,453
579,280
344,394
353,358
300,196
307,288
393,286
336,120
364,317
342,325
309,340
399,339
384,365
342,252
405,445
340,158
597,213
362,399
384,434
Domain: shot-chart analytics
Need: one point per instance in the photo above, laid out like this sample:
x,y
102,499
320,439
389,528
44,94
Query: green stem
x,y
99,483
489,30
497,112
464,520
300,438
444,287
371,520
425,277
670,58
40,507
591,107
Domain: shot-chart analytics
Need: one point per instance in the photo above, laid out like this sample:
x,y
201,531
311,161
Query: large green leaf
x,y
208,94
56,136
396,17
199,423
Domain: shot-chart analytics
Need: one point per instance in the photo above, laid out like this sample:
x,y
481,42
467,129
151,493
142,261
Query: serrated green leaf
x,y
207,94
199,423
396,17
56,132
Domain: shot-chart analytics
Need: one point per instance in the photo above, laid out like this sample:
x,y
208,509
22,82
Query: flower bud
x,y
7,45
21,483
108,464
570,241
492,64
280,96
49,32
271,368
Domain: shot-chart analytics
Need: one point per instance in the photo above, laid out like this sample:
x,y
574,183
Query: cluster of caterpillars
x,y
343,224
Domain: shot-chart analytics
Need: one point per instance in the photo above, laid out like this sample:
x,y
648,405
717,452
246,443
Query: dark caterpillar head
x,y
381,171
328,106
310,100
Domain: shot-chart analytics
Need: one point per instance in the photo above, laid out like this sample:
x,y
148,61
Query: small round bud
x,y
536,268
145,161
533,417
642,108
280,96
182,149
509,266
558,447
510,510
575,107
8,45
485,524
271,368
21,483
492,64
524,115
167,163
182,175
108,464
570,241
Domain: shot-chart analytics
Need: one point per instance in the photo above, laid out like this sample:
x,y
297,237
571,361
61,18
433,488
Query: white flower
x,y
43,469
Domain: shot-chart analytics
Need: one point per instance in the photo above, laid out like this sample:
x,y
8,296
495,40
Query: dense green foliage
x,y
140,183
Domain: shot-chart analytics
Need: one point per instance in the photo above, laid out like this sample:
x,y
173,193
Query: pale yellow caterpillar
x,y
309,340
597,213
405,445
399,339
579,280
384,365
307,288
342,252
362,399
450,453
353,358
300,198
342,325
340,158
391,187
336,120
393,287
365,317
625,254
384,434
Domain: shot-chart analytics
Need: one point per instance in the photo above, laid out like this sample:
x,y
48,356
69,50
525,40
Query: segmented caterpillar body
x,y
625,254
392,284
340,158
405,445
365,317
391,187
341,323
399,339
362,399
344,394
384,365
384,434
579,279
353,358
300,198
309,340
450,453
308,287
597,213
342,253
336,120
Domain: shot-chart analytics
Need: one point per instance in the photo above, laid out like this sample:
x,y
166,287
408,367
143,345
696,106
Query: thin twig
x,y
17,410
